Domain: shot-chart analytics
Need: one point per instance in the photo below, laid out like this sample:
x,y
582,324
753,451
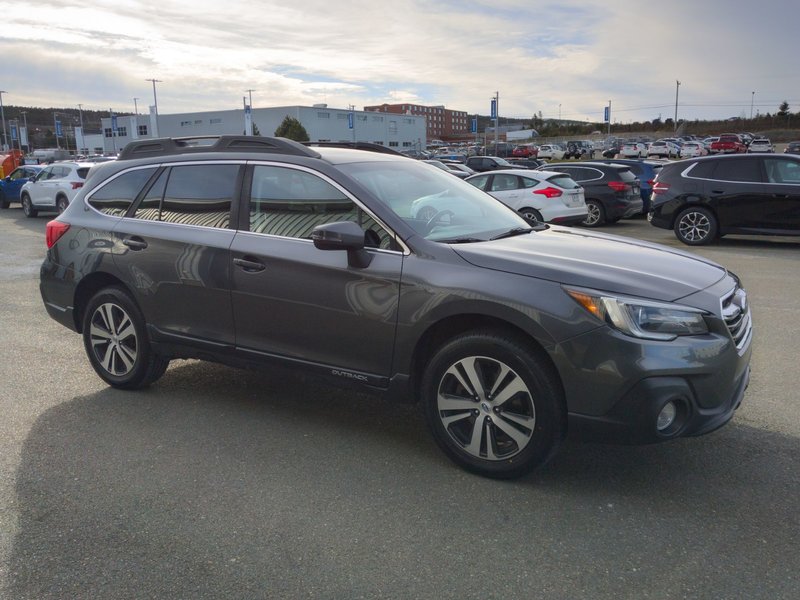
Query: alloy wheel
x,y
694,226
486,408
113,339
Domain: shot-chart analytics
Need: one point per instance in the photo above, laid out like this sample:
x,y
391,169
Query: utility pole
x,y
135,106
677,88
83,138
752,99
3,117
496,119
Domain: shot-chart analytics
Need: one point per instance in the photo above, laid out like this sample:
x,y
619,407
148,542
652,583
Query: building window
x,y
198,121
215,121
361,117
393,144
122,131
377,119
185,123
323,115
379,143
142,129
392,126
107,132
341,116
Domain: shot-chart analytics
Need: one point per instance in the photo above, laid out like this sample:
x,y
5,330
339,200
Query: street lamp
x,y
135,106
155,102
752,99
3,117
677,87
83,138
27,138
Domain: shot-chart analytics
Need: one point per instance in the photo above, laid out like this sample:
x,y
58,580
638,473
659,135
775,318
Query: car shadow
x,y
218,482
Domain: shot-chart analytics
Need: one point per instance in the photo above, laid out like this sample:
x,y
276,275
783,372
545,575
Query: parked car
x,y
717,195
447,168
487,163
611,190
526,163
792,148
707,142
260,251
633,150
525,151
576,149
54,187
546,196
645,171
693,150
11,185
663,149
551,152
760,145
458,166
728,143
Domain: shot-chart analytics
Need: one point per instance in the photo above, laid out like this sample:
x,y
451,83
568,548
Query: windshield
x,y
435,204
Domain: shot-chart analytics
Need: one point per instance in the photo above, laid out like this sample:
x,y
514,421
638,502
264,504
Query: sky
x,y
566,58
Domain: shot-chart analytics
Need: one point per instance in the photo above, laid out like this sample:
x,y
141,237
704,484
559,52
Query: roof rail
x,y
355,145
222,143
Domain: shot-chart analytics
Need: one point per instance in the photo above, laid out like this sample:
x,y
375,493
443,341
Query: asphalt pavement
x,y
223,483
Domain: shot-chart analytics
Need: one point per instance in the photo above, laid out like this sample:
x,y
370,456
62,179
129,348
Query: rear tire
x,y
116,341
27,206
531,213
61,204
696,226
596,214
3,202
494,406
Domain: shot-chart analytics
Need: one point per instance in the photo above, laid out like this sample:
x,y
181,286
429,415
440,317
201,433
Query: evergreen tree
x,y
783,109
292,128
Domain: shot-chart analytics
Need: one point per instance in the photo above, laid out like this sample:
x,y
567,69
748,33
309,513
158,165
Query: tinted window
x,y
150,206
116,196
704,170
564,181
82,171
291,203
743,169
527,182
199,195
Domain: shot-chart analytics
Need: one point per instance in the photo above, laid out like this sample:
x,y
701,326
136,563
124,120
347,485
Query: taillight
x,y
617,186
54,230
550,192
659,187
77,184
650,182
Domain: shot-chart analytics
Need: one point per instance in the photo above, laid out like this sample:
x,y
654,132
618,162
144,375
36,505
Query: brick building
x,y
442,123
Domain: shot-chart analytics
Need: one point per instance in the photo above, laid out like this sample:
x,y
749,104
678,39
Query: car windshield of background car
x,y
435,204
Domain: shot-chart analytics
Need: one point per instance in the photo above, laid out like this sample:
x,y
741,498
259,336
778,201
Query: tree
x,y
783,109
293,129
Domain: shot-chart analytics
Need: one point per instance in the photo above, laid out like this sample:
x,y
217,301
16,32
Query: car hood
x,y
598,261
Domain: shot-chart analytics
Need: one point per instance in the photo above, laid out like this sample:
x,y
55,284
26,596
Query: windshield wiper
x,y
461,240
513,232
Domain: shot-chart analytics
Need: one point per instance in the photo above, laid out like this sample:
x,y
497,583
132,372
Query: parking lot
x,y
221,483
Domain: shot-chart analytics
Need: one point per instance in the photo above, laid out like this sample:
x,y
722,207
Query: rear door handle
x,y
249,266
135,243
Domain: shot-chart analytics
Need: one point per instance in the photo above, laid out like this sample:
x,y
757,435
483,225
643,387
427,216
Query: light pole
x,y
83,139
3,117
752,99
155,103
27,138
677,88
135,106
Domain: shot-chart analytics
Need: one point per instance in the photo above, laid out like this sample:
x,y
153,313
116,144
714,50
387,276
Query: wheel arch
x,y
449,327
88,287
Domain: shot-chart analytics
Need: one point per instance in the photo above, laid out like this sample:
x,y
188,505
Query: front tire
x,y
116,342
696,226
27,207
61,204
494,406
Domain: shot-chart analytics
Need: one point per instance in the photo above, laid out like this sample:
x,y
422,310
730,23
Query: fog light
x,y
667,416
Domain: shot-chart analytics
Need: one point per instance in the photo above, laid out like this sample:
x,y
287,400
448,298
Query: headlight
x,y
642,318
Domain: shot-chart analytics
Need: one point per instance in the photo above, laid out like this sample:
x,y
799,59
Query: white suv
x,y
53,188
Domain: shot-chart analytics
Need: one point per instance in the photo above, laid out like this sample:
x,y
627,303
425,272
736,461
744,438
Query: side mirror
x,y
343,235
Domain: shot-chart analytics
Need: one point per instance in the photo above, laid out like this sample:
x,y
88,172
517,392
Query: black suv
x,y
612,190
705,198
377,271
490,163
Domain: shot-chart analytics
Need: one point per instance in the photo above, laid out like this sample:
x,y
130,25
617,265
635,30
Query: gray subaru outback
x,y
378,271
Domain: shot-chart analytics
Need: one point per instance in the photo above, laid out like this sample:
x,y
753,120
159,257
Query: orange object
x,y
9,162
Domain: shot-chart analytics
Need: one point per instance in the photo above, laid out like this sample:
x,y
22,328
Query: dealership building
x,y
398,131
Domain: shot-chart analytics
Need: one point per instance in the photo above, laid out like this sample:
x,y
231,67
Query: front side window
x,y
291,203
117,195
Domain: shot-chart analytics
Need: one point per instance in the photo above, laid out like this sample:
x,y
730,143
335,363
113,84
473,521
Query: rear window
x,y
626,174
82,172
564,181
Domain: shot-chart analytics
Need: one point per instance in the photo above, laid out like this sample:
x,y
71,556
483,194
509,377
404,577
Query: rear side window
x,y
504,182
703,170
82,171
200,195
626,175
781,170
115,197
743,169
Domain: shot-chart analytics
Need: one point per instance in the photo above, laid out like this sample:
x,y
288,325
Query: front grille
x,y
736,313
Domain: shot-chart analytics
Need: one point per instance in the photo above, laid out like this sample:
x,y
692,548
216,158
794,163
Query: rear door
x,y
737,192
782,208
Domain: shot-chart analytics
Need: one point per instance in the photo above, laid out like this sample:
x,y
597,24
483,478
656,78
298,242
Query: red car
x,y
525,151
728,143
